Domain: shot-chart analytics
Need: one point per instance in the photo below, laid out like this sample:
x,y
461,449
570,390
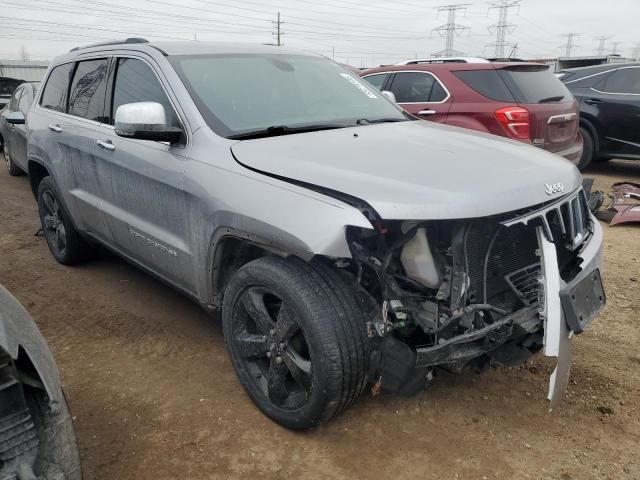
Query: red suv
x,y
522,101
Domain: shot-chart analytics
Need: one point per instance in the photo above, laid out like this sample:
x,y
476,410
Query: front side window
x,y
625,80
88,87
239,94
377,79
136,82
412,87
25,101
13,103
54,95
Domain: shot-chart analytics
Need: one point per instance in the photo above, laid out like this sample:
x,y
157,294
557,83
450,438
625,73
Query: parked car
x,y
37,439
521,101
13,129
7,87
609,97
344,242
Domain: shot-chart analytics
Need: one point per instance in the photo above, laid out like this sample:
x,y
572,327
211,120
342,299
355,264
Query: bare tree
x,y
24,54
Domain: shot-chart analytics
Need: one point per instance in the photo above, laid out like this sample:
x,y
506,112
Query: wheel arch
x,y
36,171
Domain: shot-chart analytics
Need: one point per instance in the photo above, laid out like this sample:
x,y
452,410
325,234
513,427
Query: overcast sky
x,y
360,32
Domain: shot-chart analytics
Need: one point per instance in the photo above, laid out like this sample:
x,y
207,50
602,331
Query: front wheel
x,y
588,149
297,340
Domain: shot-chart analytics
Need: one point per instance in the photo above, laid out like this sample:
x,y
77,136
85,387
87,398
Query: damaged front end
x,y
476,292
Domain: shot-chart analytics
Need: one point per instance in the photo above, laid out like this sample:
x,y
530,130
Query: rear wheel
x,y
64,241
13,169
298,347
588,149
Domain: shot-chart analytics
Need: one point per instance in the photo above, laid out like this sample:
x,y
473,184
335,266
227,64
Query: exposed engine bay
x,y
463,293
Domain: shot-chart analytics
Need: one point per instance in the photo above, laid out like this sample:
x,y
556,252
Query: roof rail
x,y
112,42
419,61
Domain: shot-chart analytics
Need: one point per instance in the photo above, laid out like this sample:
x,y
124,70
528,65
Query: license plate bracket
x,y
583,301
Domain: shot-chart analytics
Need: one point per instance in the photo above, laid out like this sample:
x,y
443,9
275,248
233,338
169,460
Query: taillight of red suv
x,y
515,122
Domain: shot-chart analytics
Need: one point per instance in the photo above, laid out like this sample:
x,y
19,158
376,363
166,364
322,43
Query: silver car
x,y
13,132
346,245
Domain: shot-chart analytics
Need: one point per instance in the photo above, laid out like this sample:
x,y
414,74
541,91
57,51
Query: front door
x,y
421,94
146,209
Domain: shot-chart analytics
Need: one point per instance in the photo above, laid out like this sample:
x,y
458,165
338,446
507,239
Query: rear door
x,y
421,94
145,205
617,99
553,112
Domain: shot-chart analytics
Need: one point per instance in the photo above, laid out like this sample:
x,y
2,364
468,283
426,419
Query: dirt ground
x,y
154,395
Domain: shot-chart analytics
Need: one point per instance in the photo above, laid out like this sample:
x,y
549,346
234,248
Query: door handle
x,y
593,101
55,128
427,112
106,145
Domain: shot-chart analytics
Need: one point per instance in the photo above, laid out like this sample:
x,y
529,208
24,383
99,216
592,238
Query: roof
x,y
605,67
436,67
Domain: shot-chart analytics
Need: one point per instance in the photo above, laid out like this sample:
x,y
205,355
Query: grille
x,y
17,436
567,221
525,283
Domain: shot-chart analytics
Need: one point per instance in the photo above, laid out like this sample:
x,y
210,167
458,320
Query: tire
x,y
588,149
297,339
58,455
13,169
65,243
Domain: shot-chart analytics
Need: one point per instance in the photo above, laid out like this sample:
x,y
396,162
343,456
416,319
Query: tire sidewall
x,y
320,398
47,184
587,149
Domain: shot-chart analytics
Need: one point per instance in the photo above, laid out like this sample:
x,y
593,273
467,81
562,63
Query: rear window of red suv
x,y
517,83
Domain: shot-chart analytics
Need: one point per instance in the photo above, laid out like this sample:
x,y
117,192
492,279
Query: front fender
x,y
19,331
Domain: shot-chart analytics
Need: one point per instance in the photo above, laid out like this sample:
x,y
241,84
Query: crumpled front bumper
x,y
557,333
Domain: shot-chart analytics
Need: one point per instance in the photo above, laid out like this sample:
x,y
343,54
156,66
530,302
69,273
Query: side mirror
x,y
389,95
15,118
145,121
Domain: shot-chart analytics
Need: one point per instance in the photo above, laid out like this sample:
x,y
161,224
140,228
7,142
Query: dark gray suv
x,y
345,244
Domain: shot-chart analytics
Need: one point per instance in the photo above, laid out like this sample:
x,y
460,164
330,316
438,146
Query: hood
x,y
416,170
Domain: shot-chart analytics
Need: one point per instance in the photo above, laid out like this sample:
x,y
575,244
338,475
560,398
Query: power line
x,y
601,43
569,45
450,29
502,27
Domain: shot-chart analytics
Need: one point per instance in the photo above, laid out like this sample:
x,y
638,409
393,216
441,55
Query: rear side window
x,y
377,80
136,82
54,95
416,87
88,87
487,83
625,80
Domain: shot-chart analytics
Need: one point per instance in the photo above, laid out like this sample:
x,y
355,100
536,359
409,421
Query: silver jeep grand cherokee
x,y
345,244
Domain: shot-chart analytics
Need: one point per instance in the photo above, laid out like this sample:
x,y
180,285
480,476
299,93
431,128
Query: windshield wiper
x,y
557,98
366,121
277,130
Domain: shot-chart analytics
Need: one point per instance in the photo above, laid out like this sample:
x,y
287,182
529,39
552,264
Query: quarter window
x,y
624,80
87,93
377,80
55,91
136,82
417,87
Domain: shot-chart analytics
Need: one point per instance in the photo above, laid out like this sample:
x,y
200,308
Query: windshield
x,y
535,84
240,94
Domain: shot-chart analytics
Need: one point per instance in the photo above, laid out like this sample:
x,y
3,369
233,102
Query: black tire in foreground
x,y
64,241
297,339
13,169
588,149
